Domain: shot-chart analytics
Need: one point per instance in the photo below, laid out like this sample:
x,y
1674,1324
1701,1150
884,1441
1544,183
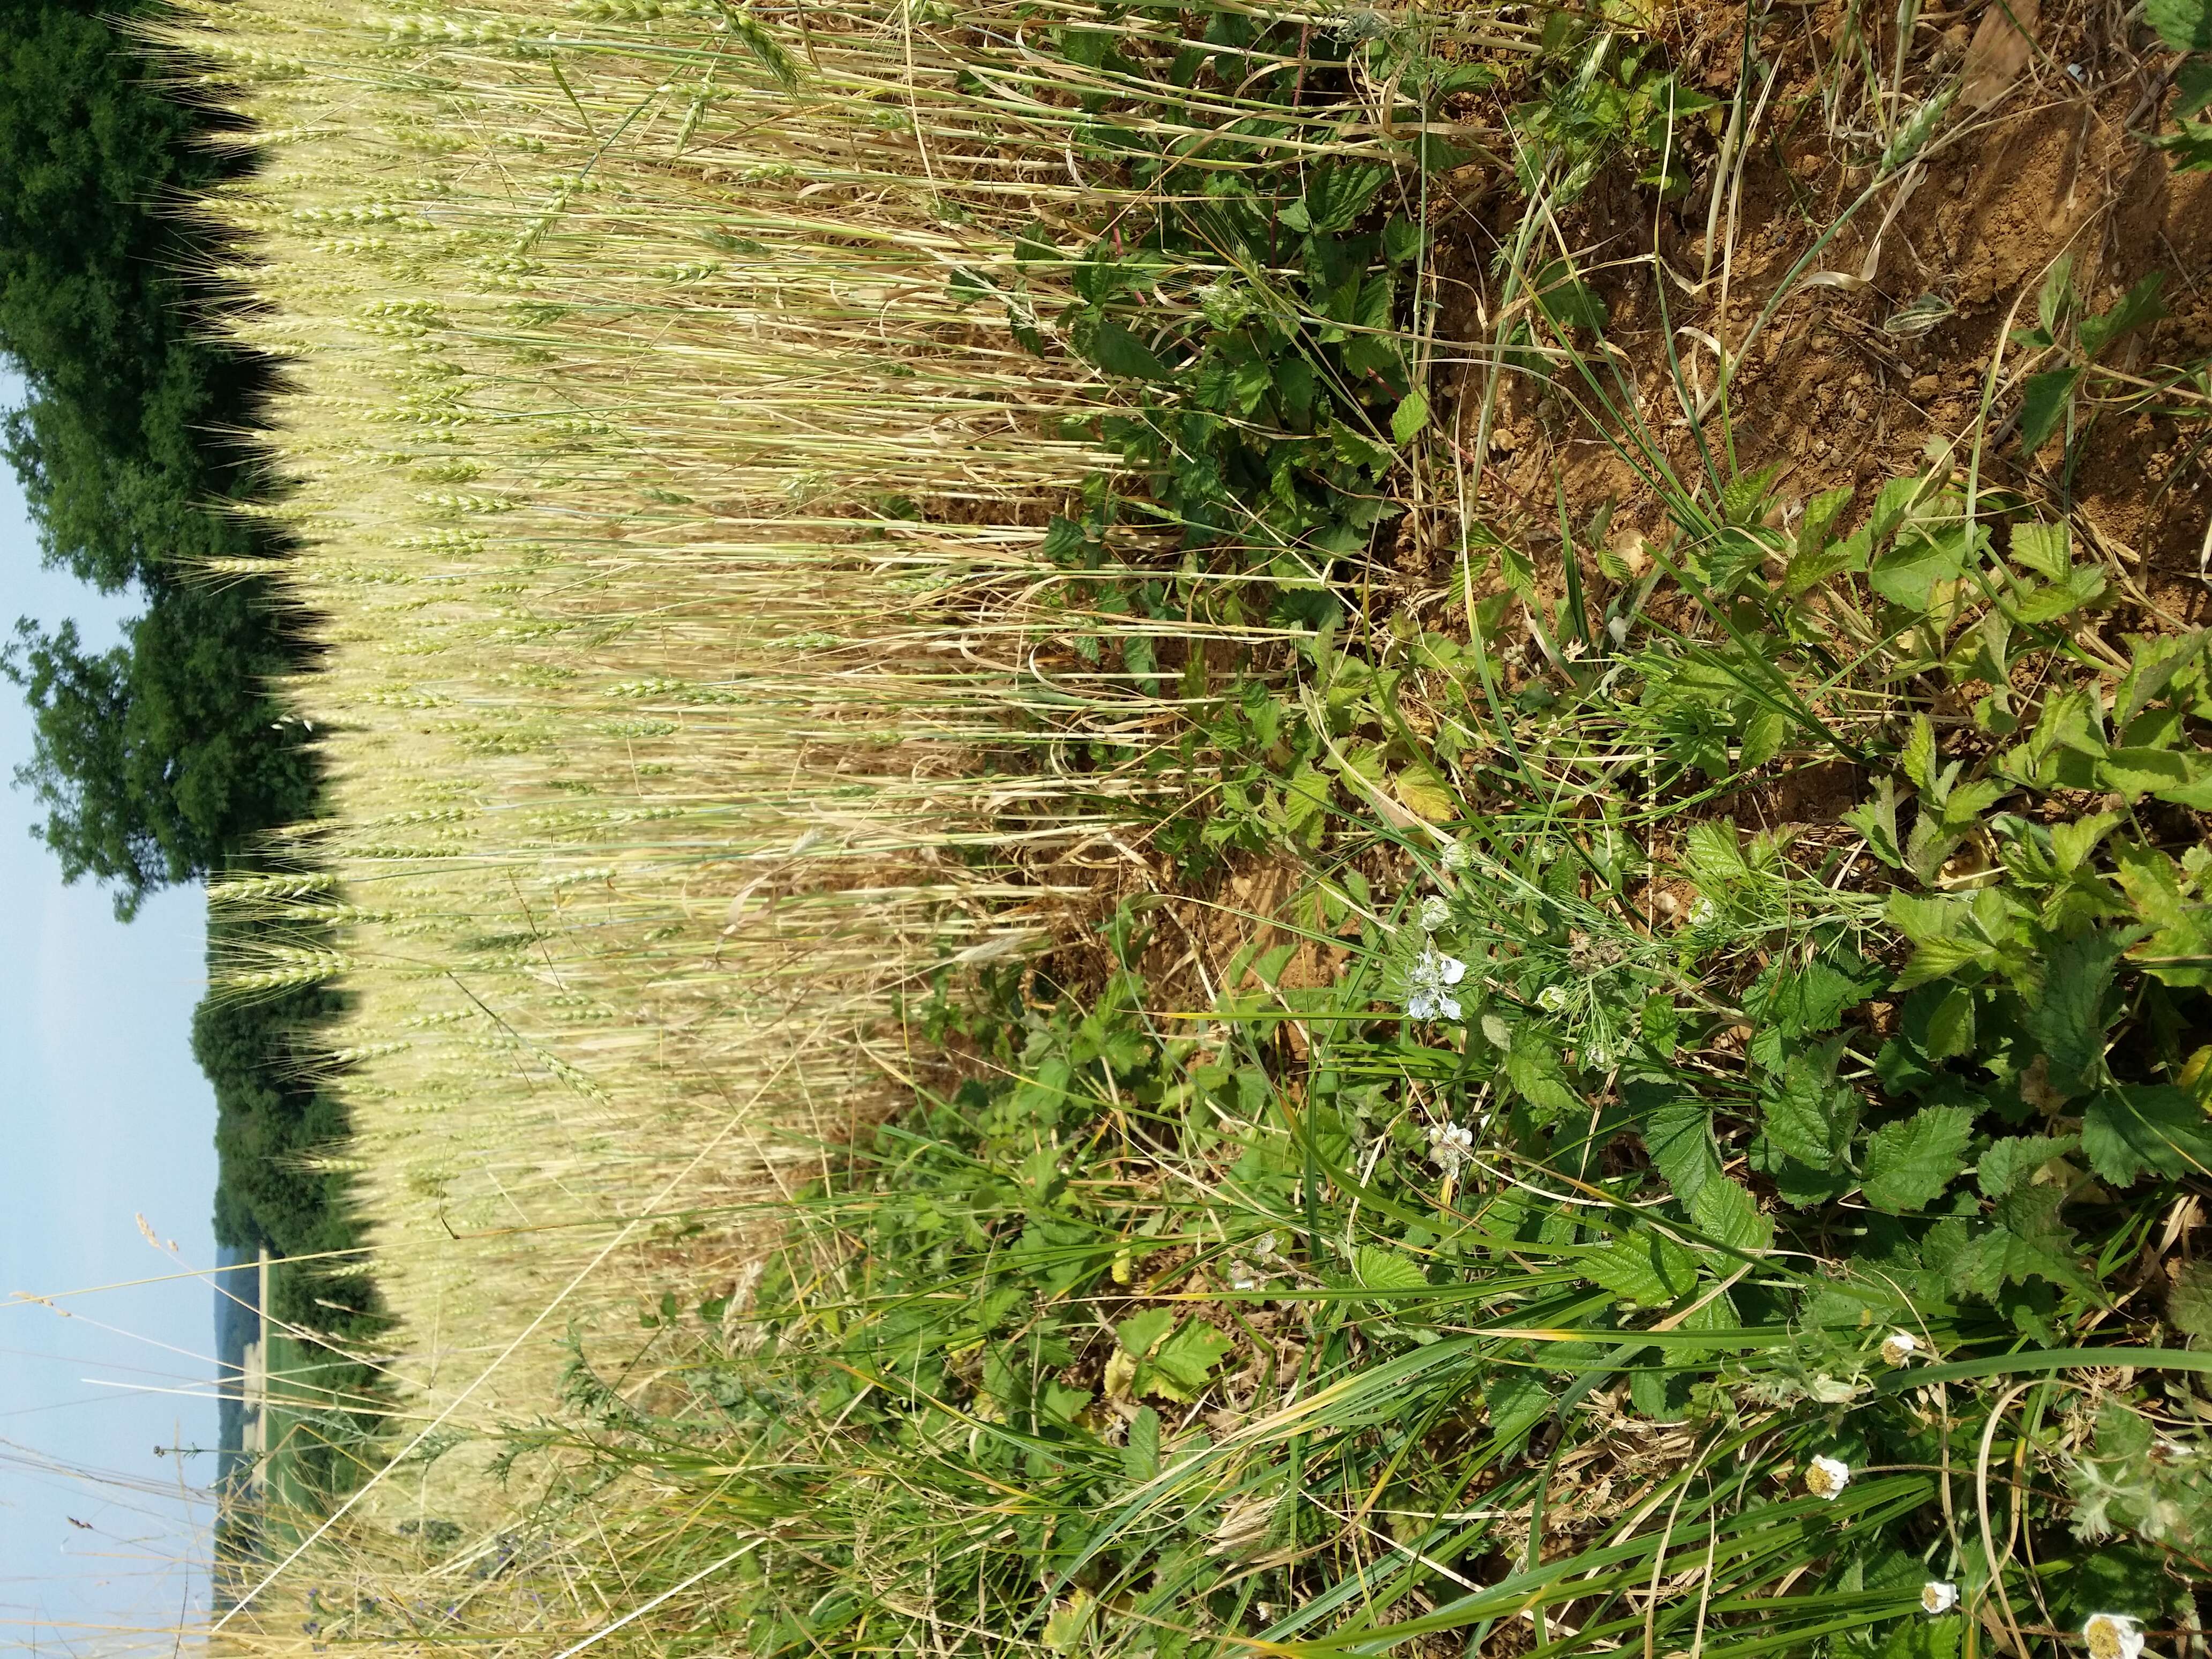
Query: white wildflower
x,y
1551,998
1827,1477
1457,855
1241,1277
1435,913
1702,912
1427,982
1450,1147
1938,1596
1898,1348
2113,1636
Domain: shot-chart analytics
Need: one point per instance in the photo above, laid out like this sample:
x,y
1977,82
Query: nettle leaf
x,y
2045,548
1877,820
1643,1267
2129,1130
1141,1453
1725,1211
1744,500
1105,342
1909,1163
2066,1016
2039,605
2189,1302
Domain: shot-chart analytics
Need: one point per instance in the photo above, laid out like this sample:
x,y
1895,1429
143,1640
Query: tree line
x,y
166,759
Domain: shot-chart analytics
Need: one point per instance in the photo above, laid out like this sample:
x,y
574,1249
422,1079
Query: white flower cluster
x,y
1898,1348
1450,1147
1428,983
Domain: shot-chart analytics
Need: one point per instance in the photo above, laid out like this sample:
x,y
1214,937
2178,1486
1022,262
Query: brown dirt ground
x,y
2056,165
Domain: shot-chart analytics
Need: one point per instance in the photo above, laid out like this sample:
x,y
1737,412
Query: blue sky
x,y
104,1118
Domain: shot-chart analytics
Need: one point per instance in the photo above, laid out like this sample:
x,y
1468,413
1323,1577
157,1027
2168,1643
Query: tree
x,y
156,758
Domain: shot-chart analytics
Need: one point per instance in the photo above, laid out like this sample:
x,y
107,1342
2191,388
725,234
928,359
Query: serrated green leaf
x,y
1411,418
2139,307
2043,405
1908,572
1643,1267
2066,1018
2189,1302
2129,1130
1532,1066
1184,1364
1950,1026
1744,500
1387,1272
1517,1401
2045,548
1810,1116
1763,735
1139,1332
2084,585
1725,1211
1117,351
2014,1161
1141,1453
1917,757
1909,1163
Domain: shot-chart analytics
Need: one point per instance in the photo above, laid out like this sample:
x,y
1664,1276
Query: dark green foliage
x,y
153,759
160,756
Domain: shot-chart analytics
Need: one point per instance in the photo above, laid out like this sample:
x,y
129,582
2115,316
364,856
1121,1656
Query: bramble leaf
x,y
2129,1130
1910,1162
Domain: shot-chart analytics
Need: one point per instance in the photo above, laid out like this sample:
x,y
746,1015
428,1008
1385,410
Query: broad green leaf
x,y
1939,958
1643,1267
2183,778
1819,518
2131,1129
2066,1018
1763,736
1810,1116
2043,405
1909,1163
2070,843
1917,757
1117,351
1141,1453
2189,1302
2014,1161
1137,1333
2138,306
2084,585
2156,661
2045,548
1538,1076
1187,1359
1517,1400
1950,1025
1744,500
1411,418
1877,820
2178,951
1907,574
1386,1271
1803,1001
1726,1212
